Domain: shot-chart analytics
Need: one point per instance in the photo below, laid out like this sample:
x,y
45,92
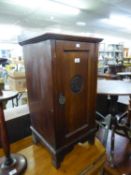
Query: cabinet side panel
x,y
92,82
38,65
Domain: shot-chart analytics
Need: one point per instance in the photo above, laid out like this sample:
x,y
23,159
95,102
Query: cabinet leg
x,y
35,138
57,160
91,139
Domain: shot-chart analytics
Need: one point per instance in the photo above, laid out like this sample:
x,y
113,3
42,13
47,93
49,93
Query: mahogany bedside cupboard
x,y
61,74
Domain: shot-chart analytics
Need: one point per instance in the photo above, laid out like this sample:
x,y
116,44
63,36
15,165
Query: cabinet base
x,y
58,154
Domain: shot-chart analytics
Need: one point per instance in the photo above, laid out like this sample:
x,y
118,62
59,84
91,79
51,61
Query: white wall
x,y
15,49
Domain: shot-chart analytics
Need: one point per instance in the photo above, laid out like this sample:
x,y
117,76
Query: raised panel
x,y
75,106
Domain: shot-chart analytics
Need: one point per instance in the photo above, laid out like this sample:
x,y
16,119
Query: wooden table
x,y
114,88
12,164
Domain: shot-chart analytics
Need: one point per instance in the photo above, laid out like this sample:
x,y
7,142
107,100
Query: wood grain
x,y
82,160
121,152
50,68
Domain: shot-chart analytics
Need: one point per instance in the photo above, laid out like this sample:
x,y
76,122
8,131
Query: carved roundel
x,y
76,83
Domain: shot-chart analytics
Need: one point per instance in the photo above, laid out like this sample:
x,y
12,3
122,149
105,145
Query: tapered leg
x,y
91,139
4,137
11,164
56,160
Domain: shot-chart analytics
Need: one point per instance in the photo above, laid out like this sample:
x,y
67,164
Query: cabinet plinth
x,y
61,74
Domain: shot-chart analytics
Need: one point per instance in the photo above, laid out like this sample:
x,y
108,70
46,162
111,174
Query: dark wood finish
x,y
4,137
60,117
10,162
53,36
20,126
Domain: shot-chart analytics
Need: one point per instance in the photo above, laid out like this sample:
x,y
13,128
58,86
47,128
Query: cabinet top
x,y
53,36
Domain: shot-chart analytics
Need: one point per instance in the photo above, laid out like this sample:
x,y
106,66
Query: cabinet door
x,y
75,82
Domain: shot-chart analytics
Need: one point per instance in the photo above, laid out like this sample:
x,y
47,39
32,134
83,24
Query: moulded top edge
x,y
50,36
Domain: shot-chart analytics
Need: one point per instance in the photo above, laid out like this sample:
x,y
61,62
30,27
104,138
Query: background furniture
x,y
9,95
114,53
4,61
113,69
17,81
11,163
61,72
110,54
127,62
17,122
114,88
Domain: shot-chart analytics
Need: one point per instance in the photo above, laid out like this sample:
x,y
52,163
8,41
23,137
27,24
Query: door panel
x,y
73,78
75,75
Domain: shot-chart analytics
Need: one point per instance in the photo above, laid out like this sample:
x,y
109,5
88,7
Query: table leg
x,y
112,145
4,138
12,163
107,127
129,114
13,103
113,110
